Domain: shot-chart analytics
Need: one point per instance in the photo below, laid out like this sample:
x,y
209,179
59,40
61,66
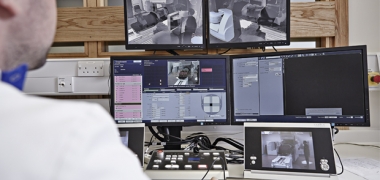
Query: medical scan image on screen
x,y
287,150
183,73
164,21
124,137
300,87
170,91
239,21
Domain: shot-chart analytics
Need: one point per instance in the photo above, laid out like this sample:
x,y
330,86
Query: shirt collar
x,y
15,77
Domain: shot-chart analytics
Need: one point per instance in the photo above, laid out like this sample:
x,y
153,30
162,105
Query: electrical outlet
x,y
65,84
90,68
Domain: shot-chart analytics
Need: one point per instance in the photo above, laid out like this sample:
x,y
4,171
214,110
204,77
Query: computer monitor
x,y
164,24
170,91
248,23
322,85
133,137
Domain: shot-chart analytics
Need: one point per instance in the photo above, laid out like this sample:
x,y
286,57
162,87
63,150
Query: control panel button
x,y
188,167
202,166
206,154
187,154
180,156
175,166
167,159
217,166
157,161
216,158
168,156
253,162
168,166
215,154
180,159
160,154
174,156
173,161
253,157
156,166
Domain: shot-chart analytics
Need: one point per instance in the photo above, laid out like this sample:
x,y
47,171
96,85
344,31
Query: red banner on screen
x,y
206,69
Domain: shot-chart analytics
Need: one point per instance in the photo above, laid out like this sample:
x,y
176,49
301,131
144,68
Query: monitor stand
x,y
172,52
172,131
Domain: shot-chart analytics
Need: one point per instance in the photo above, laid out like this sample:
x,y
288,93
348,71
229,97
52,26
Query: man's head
x,y
27,32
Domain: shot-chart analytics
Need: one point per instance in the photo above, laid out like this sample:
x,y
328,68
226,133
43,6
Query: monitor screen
x,y
248,23
323,85
178,24
170,91
287,150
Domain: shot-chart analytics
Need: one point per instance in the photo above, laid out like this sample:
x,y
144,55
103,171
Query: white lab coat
x,y
44,139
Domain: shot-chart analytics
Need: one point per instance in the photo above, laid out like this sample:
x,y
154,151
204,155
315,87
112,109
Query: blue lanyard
x,y
15,77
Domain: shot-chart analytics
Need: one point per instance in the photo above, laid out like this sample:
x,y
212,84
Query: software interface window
x,y
164,21
299,86
160,91
236,21
287,150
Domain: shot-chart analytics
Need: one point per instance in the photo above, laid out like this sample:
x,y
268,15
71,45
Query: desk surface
x,y
344,150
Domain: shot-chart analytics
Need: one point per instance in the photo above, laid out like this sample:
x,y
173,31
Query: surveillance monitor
x,y
248,23
164,24
321,85
288,151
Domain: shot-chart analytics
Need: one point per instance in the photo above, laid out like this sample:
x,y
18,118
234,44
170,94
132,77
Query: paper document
x,y
365,167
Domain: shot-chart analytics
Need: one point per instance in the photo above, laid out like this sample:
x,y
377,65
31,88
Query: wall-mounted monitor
x,y
164,24
170,91
321,85
248,23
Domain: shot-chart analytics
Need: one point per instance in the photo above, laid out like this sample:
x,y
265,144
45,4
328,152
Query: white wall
x,y
364,28
364,23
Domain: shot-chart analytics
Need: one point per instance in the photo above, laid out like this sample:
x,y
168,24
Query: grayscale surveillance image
x,y
236,21
182,73
164,21
124,137
287,150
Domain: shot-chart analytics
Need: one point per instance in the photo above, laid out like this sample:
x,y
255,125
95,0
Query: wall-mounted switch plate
x,y
65,84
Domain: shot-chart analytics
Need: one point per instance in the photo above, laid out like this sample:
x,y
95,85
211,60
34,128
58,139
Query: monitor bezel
x,y
228,92
165,46
245,45
363,48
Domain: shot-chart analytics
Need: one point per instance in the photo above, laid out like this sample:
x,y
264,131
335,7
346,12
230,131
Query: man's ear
x,y
8,9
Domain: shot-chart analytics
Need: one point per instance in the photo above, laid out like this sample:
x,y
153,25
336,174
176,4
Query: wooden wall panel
x,y
342,29
316,19
312,19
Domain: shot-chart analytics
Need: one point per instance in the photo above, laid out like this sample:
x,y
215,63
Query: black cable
x,y
229,142
224,168
236,142
223,165
154,133
175,137
225,51
340,162
262,48
274,48
154,52
363,145
336,130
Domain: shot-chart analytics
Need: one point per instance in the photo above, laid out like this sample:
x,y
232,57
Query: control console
x,y
187,165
